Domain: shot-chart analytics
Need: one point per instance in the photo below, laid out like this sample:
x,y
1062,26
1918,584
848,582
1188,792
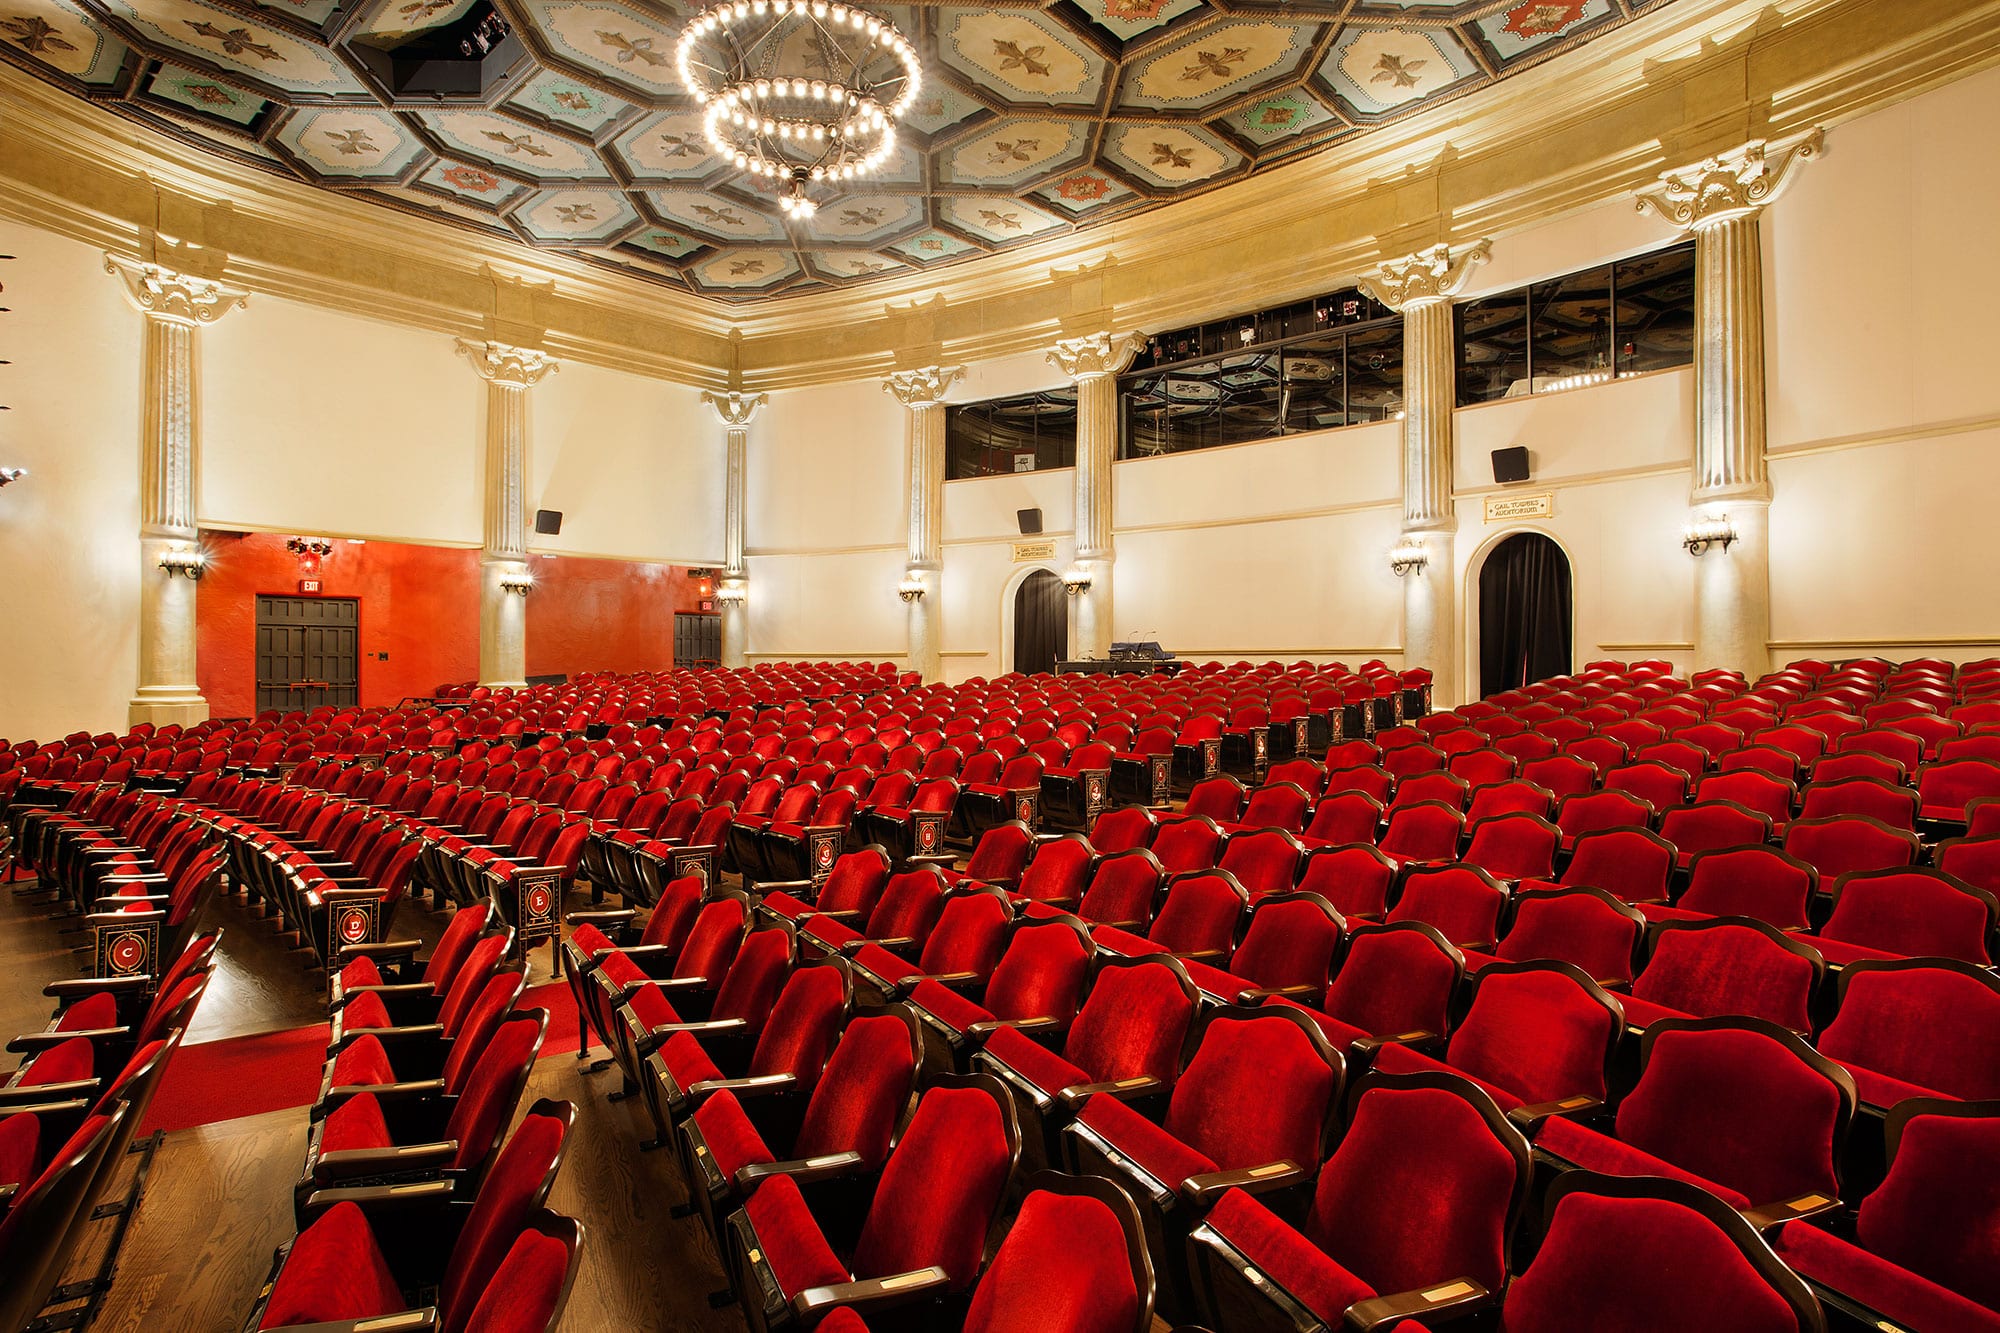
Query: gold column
x,y
509,373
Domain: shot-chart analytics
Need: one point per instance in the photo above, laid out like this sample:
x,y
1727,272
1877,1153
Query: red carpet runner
x,y
271,1071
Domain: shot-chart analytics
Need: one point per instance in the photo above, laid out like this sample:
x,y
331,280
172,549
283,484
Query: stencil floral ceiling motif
x,y
1033,120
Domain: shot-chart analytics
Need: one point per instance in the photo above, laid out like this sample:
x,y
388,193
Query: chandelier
x,y
798,91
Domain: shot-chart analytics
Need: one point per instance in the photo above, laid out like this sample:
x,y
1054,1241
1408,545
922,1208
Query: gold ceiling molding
x,y
1688,80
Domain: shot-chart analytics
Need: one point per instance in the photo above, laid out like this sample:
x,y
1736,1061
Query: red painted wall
x,y
420,606
604,615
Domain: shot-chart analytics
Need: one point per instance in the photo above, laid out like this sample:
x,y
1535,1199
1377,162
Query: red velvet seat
x,y
1726,966
1564,775
1264,861
1414,1209
402,1056
1444,788
1842,844
1514,846
1463,902
1972,859
1220,798
1355,879
1913,913
1187,844
1058,872
415,1004
1389,983
961,948
1344,817
1946,790
715,1040
1427,831
1373,779
1074,1259
1652,1255
1585,927
1123,891
1276,805
1513,796
35,1229
1710,826
852,888
900,921
1661,786
1925,1246
1917,1028
931,1211
1891,803
1124,828
1198,920
1036,987
1760,882
1287,949
1737,1106
1628,863
1599,811
395,960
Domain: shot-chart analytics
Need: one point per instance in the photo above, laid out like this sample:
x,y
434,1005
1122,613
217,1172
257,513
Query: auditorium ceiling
x,y
571,133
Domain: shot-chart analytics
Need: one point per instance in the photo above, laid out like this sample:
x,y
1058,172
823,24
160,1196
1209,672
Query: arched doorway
x,y
1524,613
1041,623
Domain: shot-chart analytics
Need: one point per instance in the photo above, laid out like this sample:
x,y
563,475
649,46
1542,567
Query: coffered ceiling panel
x,y
562,123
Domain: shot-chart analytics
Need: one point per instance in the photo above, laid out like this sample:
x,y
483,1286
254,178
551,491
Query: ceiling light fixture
x,y
798,92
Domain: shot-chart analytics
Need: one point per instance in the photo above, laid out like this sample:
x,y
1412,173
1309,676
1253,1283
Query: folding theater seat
x,y
1036,987
1016,793
1412,1216
923,1232
1753,790
1737,1106
900,921
1760,882
1344,817
1917,1028
1287,949
1946,790
1726,966
805,850
1437,785
1842,844
1515,795
1483,767
1220,798
42,1210
1144,772
1462,902
913,829
631,987
1587,928
999,858
1058,872
1264,861
1913,913
1629,863
1275,805
1892,803
1601,811
1651,1254
501,1262
844,1120
1355,879
1121,829
1124,891
1537,1038
960,951
1710,826
1920,1251
1251,1109
1833,768
416,1004
434,1137
1514,846
743,840
1198,920
849,892
100,1003
1780,764
1373,779
1661,786
1074,791
1426,831
793,1040
392,1061
1126,1040
1187,844
595,936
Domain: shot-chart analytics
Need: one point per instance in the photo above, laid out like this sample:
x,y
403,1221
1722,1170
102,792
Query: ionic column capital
x,y
924,387
733,409
506,365
1731,185
1096,355
164,294
1428,277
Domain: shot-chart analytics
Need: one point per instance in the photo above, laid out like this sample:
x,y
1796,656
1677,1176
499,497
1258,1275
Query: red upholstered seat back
x,y
1289,942
673,915
1002,853
1739,1107
1462,901
1728,968
1064,1265
1201,913
803,1024
1582,927
482,1020
756,974
939,1190
1760,882
712,941
1040,975
1420,1191
1935,1027
909,906
1427,831
1263,861
1256,1091
1120,830
1394,979
1354,878
1133,1023
1628,864
971,931
1185,845
1916,913
1842,844
1938,1211
1542,1034
483,1109
513,1189
1123,888
856,1104
1058,870
486,955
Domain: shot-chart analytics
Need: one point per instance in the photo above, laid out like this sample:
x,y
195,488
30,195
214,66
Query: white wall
x,y
69,653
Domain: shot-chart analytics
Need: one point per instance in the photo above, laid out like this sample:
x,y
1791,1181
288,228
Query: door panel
x,y
308,653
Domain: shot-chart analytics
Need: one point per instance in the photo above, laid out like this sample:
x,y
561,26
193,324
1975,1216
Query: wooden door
x,y
697,639
308,652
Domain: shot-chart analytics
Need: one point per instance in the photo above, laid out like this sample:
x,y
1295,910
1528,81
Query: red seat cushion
x,y
526,1289
1906,1298
1882,1091
1287,1257
1225,985
70,1062
652,1008
335,1271
791,1240
1642,1014
1396,1058
356,1123
831,935
363,1064
365,1010
1062,1266
1124,942
1034,1062
947,1005
1602,1153
360,972
687,1061
786,906
20,1144
91,1012
733,1142
1156,1152
881,963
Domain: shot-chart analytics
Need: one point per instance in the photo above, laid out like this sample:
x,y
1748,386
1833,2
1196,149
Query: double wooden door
x,y
308,652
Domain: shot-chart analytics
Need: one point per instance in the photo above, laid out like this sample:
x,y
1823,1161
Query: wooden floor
x,y
218,1197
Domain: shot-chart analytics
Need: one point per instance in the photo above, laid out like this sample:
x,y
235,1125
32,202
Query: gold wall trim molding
x,y
1930,430
1669,646
1686,80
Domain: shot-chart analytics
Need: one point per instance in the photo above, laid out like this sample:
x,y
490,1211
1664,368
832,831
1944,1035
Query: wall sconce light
x,y
183,560
910,589
318,546
1703,533
1076,580
1409,554
732,594
11,474
522,582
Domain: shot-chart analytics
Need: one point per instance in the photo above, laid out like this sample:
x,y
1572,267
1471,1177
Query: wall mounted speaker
x,y
1510,464
1030,521
548,522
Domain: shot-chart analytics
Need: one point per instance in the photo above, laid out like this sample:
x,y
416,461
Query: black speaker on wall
x,y
548,522
1510,464
1030,521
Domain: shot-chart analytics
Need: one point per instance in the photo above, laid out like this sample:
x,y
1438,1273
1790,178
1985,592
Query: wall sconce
x,y
318,546
1409,554
910,589
732,594
183,560
11,474
522,582
1076,580
1703,533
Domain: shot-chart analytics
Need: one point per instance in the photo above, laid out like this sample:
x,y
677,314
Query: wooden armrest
x,y
407,1321
873,1294
428,1194
84,986
1205,1189
346,1163
987,1027
1458,1296
1530,1118
35,1042
1124,1089
380,949
610,916
1789,1210
761,1085
803,1170
1370,1045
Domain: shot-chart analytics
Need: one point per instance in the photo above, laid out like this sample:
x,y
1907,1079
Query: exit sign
x,y
308,585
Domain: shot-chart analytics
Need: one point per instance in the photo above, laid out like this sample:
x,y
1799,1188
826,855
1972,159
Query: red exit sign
x,y
308,585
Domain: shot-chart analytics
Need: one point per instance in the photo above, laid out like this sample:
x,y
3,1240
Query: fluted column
x,y
922,393
174,306
504,579
735,411
1094,362
1719,201
1420,287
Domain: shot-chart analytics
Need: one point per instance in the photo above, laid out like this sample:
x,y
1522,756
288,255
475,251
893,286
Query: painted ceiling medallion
x,y
799,92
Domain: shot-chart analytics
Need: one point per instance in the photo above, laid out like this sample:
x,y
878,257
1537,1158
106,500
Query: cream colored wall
x,y
68,530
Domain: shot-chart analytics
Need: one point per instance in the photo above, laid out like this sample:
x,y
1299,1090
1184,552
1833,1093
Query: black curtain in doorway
x,y
1041,623
1524,613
